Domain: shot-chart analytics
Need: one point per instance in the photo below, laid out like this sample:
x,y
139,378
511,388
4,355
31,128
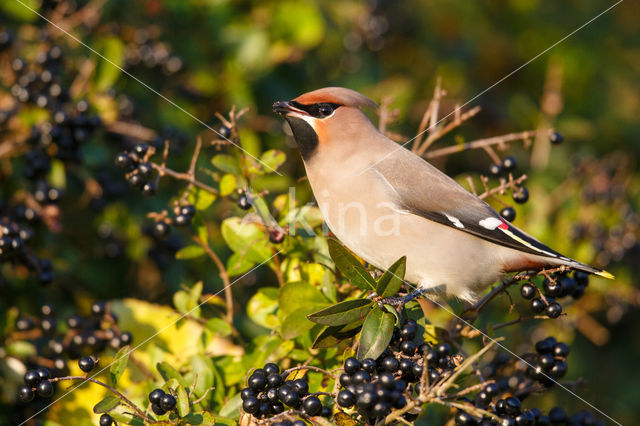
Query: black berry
x,y
312,406
155,396
86,364
167,402
521,195
25,394
508,213
556,138
45,389
527,291
106,420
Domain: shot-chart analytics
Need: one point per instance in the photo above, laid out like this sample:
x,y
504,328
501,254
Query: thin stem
x,y
288,371
496,140
184,176
113,390
204,395
224,275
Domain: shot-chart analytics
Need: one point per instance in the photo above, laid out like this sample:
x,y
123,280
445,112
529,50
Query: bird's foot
x,y
400,301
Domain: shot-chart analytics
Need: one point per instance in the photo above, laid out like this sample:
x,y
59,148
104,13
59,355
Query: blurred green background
x,y
252,53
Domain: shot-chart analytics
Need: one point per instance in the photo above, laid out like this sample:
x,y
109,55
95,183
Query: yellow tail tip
x,y
606,275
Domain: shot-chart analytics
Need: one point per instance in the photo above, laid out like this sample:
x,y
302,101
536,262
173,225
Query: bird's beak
x,y
286,108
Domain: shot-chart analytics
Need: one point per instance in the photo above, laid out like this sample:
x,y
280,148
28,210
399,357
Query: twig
x,y
441,131
184,176
288,371
224,275
113,390
204,395
479,143
511,183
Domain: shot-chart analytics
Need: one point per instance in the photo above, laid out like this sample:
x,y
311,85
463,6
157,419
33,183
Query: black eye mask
x,y
320,110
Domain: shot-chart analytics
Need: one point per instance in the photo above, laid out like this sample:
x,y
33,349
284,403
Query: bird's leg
x,y
399,301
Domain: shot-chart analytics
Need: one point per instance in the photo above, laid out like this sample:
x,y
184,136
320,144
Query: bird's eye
x,y
325,110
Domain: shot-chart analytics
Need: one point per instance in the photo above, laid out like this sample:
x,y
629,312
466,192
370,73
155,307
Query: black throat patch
x,y
305,136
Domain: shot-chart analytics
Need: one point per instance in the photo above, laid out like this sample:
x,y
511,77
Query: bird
x,y
384,202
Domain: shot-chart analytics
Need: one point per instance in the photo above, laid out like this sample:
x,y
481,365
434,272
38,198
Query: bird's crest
x,y
337,95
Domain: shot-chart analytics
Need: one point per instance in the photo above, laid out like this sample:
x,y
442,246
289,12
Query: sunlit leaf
x,y
350,266
182,400
391,281
263,306
218,326
376,334
107,404
273,158
190,252
227,184
247,239
119,364
112,52
226,163
343,312
167,372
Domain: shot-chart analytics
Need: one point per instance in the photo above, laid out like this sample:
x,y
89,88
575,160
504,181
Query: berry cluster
x,y
375,387
144,48
510,381
161,402
36,382
268,392
15,240
555,287
83,338
139,171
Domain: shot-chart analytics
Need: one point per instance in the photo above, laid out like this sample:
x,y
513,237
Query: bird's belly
x,y
380,234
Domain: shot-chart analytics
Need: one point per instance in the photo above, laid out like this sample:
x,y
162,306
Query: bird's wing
x,y
419,188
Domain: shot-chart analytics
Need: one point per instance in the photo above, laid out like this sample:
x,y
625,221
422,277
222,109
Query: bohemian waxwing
x,y
384,202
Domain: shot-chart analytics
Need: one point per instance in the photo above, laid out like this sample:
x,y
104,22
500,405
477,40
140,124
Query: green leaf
x,y
237,264
226,163
296,323
127,419
263,306
350,266
20,12
391,281
200,198
119,364
343,312
108,70
273,158
227,184
168,372
331,336
376,334
203,368
232,408
203,418
190,252
182,402
292,295
218,326
246,238
107,404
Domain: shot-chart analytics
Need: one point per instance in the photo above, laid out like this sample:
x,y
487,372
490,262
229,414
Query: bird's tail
x,y
574,264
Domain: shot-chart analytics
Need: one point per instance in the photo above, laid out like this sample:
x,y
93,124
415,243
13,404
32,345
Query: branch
x,y
224,275
480,143
124,399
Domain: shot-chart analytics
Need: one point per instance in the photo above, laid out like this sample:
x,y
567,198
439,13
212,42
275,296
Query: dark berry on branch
x,y
224,132
24,324
495,169
521,195
527,291
443,349
545,346
465,419
405,365
508,213
167,402
512,405
260,371
149,189
567,285
408,332
244,393
368,365
123,161
345,379
408,347
106,420
257,382
558,370
298,423
492,389
141,149
291,399
351,365
301,386
276,235
381,409
155,396
390,364
483,399
312,406
136,180
145,168
158,410
275,380
161,230
553,310
45,389
556,138
537,305
182,220
86,364
126,338
561,350
557,415
190,210
360,376
99,308
509,163
546,361
26,394
32,378
243,202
